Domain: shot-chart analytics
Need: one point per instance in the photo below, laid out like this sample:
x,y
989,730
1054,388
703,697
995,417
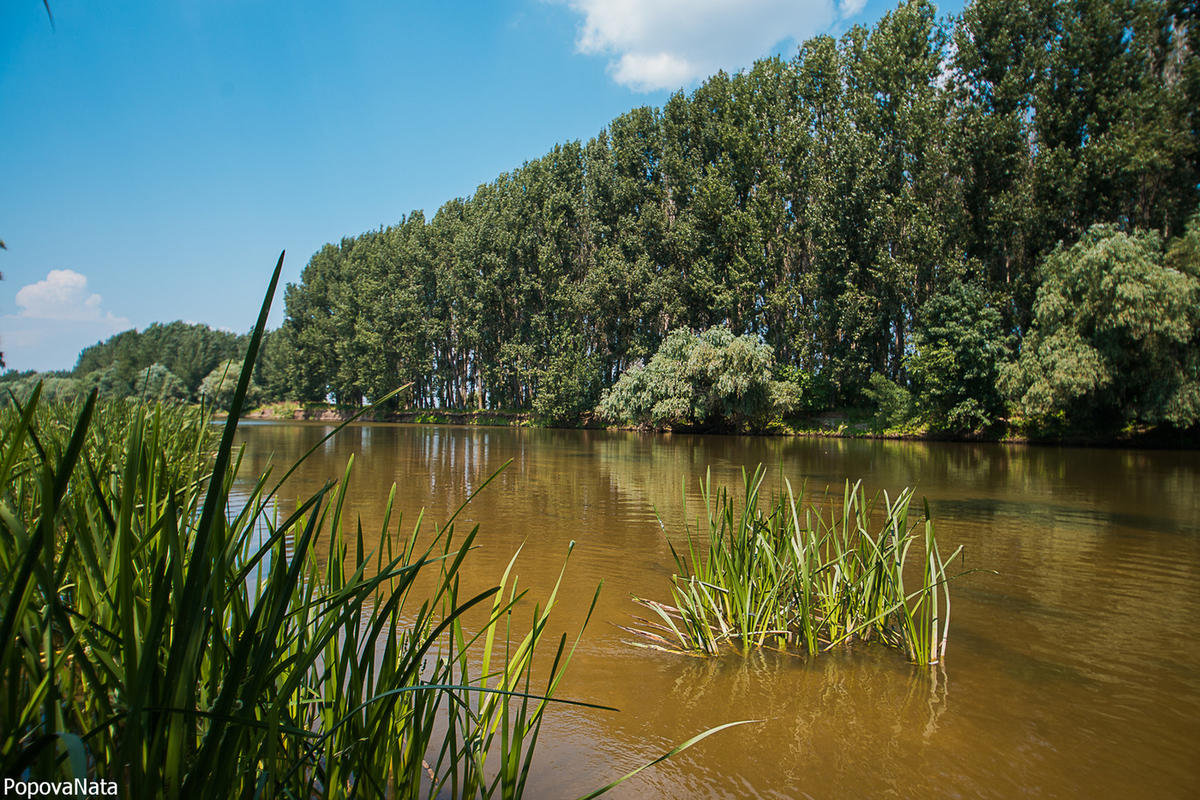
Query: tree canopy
x,y
831,206
187,351
893,215
959,345
711,378
1116,332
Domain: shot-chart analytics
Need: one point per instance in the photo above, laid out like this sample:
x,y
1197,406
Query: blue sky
x,y
156,157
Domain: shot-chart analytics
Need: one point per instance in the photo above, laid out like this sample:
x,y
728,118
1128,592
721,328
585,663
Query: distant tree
x,y
14,376
112,382
569,384
189,351
818,203
275,365
795,390
157,384
55,386
218,386
787,391
1116,333
959,345
893,403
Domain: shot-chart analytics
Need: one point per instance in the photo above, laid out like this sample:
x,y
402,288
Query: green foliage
x,y
285,676
713,378
218,386
959,345
822,203
157,384
274,368
786,397
188,351
799,390
112,382
764,578
56,386
1115,335
59,388
893,403
568,386
819,202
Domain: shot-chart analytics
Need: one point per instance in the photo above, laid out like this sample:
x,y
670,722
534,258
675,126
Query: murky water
x,y
1074,672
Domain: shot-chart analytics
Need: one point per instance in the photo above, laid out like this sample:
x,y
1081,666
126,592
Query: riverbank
x,y
837,424
324,412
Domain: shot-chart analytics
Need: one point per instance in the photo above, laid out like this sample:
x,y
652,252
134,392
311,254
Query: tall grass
x,y
165,631
789,575
291,676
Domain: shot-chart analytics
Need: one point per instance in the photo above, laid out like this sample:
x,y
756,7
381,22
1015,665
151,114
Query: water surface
x,y
1074,672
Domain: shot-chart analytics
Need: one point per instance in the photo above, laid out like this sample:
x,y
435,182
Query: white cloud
x,y
58,317
62,295
665,44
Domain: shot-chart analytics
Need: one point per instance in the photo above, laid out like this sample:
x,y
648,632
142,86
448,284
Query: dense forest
x,y
954,220
844,207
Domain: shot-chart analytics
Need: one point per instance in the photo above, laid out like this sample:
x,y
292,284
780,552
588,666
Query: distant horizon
x,y
165,155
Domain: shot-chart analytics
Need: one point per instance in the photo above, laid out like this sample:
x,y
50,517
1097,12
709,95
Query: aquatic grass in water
x,y
786,575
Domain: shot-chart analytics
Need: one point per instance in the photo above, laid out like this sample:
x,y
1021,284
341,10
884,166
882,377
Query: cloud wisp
x,y
57,317
63,296
666,44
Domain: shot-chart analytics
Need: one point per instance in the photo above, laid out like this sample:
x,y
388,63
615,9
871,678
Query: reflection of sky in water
x,y
260,530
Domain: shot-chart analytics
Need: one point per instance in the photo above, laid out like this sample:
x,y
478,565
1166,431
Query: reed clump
x,y
164,630
786,574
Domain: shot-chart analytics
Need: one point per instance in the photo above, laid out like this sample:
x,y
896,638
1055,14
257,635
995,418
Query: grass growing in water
x,y
782,574
159,630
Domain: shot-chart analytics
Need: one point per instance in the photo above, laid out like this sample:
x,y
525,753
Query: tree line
x,y
884,212
177,362
818,203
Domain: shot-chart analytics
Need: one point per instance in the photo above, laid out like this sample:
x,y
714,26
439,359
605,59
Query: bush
x,y
786,397
217,387
711,379
55,387
157,384
1116,333
805,390
893,403
111,382
567,386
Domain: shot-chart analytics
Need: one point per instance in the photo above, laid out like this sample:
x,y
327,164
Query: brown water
x,y
1075,672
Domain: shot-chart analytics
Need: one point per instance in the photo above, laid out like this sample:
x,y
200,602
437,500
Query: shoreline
x,y
828,426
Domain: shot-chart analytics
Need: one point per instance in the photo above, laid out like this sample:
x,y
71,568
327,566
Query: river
x,y
1073,671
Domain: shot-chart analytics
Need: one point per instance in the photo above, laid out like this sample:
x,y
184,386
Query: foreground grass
x,y
185,642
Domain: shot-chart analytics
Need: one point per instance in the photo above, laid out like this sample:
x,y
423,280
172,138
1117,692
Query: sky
x,y
155,157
